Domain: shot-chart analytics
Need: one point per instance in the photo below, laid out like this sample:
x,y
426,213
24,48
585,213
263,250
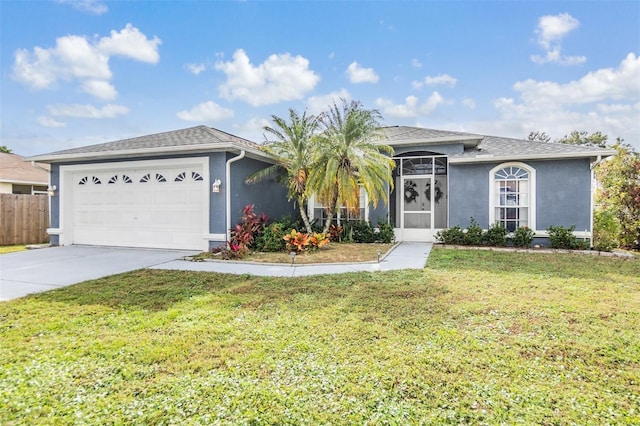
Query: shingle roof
x,y
13,168
503,148
192,137
487,148
406,133
202,138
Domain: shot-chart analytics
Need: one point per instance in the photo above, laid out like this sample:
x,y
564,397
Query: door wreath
x,y
410,193
438,192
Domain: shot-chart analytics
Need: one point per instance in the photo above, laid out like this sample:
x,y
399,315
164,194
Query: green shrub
x,y
605,230
362,232
523,237
562,237
386,233
474,235
454,236
272,237
496,235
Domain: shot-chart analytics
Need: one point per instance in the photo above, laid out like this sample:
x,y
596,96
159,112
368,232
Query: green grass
x,y
11,249
474,338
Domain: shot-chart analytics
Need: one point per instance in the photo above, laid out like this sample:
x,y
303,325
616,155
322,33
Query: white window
x,y
512,201
317,211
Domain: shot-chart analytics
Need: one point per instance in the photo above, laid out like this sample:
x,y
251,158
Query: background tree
x,y
618,195
349,154
4,149
596,139
291,145
539,136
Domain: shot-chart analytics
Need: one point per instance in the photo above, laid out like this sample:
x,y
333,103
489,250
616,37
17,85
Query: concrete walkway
x,y
403,256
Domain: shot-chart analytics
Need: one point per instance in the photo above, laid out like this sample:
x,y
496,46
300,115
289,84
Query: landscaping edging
x,y
539,250
249,262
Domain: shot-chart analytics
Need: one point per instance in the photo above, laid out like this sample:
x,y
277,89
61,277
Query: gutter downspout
x,y
592,167
228,191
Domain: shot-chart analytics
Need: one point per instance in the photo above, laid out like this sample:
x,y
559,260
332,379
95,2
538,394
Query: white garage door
x,y
157,204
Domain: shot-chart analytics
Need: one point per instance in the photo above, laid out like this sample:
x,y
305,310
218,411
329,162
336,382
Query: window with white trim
x,y
343,215
512,187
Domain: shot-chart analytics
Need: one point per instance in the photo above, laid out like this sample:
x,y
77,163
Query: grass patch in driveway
x,y
476,337
11,249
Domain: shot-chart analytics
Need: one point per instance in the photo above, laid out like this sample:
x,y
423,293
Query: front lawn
x,y
476,337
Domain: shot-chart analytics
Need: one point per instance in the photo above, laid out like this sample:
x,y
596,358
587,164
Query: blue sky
x,y
79,72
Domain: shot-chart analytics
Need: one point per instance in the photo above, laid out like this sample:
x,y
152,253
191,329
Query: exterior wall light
x,y
51,191
216,185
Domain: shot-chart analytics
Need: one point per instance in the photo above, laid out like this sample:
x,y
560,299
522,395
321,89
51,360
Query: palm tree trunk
x,y
331,210
303,214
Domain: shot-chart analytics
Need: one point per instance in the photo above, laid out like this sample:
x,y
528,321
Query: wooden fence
x,y
24,219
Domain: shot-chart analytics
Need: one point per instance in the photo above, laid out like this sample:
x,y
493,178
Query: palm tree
x,y
291,147
350,155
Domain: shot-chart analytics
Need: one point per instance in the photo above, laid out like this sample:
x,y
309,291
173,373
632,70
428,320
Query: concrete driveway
x,y
34,271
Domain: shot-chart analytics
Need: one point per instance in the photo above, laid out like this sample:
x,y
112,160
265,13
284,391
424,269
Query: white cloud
x,y
195,68
469,103
100,89
252,129
441,79
94,7
281,77
551,29
411,107
87,111
206,111
416,63
50,122
74,58
604,100
131,43
357,74
317,104
606,83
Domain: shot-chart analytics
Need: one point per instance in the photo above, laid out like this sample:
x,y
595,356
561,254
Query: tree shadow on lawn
x,y
559,265
400,292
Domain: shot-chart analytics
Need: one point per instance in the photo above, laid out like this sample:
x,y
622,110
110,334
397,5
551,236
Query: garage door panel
x,y
159,206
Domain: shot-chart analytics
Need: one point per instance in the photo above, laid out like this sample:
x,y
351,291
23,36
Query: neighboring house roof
x,y
193,139
14,169
480,148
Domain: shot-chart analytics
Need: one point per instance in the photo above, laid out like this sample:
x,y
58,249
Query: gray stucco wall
x,y
563,193
268,196
469,194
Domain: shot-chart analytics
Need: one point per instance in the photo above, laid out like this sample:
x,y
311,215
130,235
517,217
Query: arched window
x,y
512,201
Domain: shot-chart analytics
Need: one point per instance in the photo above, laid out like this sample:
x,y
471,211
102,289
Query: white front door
x,y
155,204
416,208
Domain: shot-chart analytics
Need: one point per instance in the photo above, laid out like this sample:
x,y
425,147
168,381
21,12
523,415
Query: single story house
x,y
18,176
184,189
